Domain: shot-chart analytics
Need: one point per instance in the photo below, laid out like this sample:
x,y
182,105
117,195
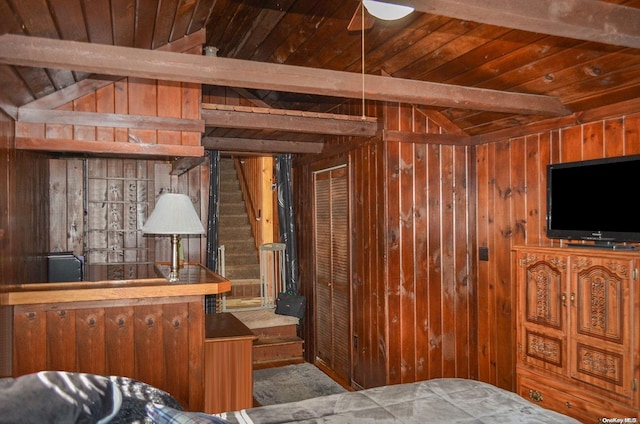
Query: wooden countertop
x,y
224,326
195,280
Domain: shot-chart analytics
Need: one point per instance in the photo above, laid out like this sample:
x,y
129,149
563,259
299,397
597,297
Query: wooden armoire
x,y
577,330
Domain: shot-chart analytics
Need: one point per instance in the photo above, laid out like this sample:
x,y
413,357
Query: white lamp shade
x,y
387,11
174,214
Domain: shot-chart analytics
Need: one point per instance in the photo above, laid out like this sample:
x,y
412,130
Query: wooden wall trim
x,y
116,120
628,108
139,150
420,138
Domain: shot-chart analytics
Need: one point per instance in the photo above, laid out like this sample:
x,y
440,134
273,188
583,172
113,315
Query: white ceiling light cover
x,y
386,11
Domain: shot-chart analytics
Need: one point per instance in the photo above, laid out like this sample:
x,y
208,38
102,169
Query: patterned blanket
x,y
449,400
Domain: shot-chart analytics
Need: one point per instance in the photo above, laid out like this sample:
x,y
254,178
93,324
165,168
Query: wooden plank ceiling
x,y
483,77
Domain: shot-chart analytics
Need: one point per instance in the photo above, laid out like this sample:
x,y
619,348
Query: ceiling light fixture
x,y
386,11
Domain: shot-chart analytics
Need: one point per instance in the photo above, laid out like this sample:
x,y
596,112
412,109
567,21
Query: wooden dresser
x,y
578,331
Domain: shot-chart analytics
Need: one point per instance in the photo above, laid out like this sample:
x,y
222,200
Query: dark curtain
x,y
286,217
212,223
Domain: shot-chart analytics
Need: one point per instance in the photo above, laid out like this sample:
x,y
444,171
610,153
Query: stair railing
x,y
221,261
254,213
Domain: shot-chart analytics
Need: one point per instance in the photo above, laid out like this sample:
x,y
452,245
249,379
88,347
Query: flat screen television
x,y
595,200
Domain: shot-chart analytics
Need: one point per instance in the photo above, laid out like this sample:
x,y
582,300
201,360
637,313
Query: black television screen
x,y
594,200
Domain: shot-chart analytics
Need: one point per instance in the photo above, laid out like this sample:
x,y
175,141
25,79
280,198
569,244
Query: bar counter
x,y
195,280
148,329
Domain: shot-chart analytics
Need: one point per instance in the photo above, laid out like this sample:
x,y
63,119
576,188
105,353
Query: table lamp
x,y
173,215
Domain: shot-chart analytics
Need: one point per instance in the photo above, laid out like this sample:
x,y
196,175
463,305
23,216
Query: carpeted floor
x,y
291,383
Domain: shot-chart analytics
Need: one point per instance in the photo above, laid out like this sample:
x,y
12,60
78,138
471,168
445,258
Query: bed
x,y
71,397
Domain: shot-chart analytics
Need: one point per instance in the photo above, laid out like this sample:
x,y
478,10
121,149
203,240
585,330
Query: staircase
x,y
234,231
277,340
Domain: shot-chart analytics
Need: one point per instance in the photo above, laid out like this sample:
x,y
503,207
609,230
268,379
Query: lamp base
x,y
173,275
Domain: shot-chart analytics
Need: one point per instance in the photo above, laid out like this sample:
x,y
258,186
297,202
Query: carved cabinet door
x,y
601,345
542,310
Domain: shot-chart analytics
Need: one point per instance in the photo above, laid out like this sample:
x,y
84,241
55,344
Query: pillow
x,y
162,414
135,396
57,396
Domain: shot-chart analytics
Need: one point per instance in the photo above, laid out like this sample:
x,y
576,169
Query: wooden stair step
x,y
273,349
276,331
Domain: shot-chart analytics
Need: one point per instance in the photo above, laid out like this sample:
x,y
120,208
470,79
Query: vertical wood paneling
x,y
60,130
143,98
168,92
407,283
393,239
533,190
191,104
510,174
465,343
58,205
504,287
24,222
377,277
90,333
86,103
106,103
412,283
137,96
113,233
484,297
176,336
448,282
434,258
149,345
24,212
631,133
61,340
613,133
30,338
121,105
119,341
421,248
158,343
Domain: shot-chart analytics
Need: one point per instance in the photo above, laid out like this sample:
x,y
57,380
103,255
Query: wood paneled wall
x,y
67,194
23,222
158,341
430,198
511,208
413,308
165,116
25,217
258,175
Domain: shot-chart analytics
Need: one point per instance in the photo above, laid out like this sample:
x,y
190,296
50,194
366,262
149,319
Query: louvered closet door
x,y
331,213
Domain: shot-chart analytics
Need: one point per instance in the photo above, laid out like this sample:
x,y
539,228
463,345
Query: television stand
x,y
602,244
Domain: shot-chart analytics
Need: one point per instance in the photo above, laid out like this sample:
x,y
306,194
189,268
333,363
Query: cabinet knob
x,y
535,395
567,404
564,299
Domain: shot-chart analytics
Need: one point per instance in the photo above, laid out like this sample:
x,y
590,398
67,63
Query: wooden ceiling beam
x,y
290,121
126,61
109,148
115,120
589,20
424,138
255,145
